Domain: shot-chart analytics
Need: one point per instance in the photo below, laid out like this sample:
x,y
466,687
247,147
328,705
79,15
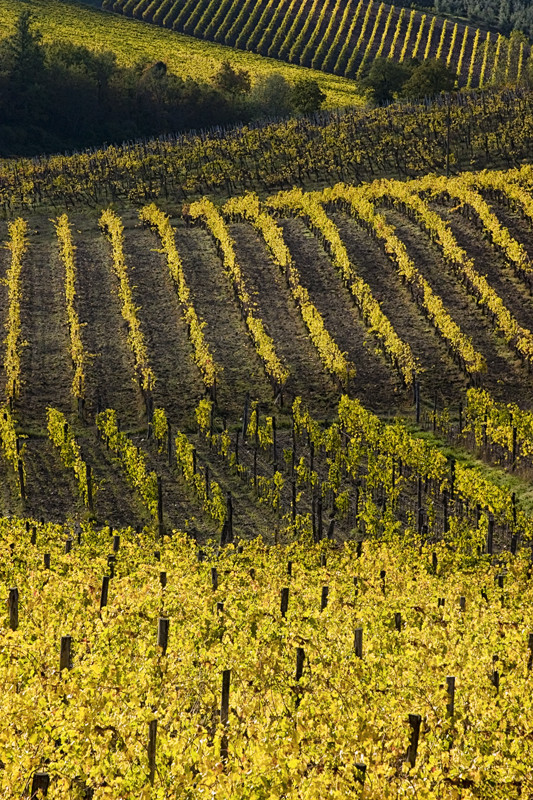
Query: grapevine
x,y
202,353
111,224
263,343
62,436
309,206
334,361
18,245
77,351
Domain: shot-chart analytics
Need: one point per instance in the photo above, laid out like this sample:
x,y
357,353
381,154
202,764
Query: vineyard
x,y
265,489
133,42
342,37
460,132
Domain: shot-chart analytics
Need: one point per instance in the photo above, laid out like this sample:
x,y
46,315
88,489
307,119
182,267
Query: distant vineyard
x,y
339,36
464,131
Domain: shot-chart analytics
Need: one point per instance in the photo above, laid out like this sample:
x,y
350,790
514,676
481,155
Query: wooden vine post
x,y
224,713
415,722
13,608
152,746
40,783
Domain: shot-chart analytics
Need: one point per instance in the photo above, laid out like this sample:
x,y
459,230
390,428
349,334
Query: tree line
x,y
504,15
59,96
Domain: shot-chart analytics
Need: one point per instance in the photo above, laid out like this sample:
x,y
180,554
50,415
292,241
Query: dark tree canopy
x,y
307,96
61,96
231,81
428,79
388,80
505,15
385,79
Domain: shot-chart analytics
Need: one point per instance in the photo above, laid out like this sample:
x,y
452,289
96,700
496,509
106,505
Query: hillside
x,y
150,328
344,372
135,42
459,132
342,37
266,452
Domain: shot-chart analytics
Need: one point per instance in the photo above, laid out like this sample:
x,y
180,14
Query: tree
x,y
307,96
385,79
272,96
429,78
231,81
21,54
22,68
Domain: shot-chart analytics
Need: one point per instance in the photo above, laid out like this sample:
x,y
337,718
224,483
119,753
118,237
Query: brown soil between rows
x,y
374,384
111,381
51,490
225,332
250,518
491,263
10,501
178,505
284,323
46,367
463,309
115,502
439,373
518,226
179,384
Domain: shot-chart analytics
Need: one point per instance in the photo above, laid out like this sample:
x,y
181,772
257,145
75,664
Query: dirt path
x,y
179,384
520,228
491,263
462,307
51,489
46,365
115,502
111,379
439,373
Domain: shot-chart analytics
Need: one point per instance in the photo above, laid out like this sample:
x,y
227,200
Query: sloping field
x,y
346,372
133,42
465,131
385,292
342,37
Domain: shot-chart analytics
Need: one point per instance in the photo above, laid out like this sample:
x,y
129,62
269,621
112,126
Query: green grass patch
x,y
134,41
497,475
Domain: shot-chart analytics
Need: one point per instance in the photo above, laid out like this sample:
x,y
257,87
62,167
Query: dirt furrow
x,y
284,323
462,307
491,263
225,332
518,226
46,365
111,381
51,489
115,502
374,384
439,373
179,383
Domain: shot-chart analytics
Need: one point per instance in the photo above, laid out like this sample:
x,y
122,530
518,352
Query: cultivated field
x,y
345,373
133,42
378,292
342,37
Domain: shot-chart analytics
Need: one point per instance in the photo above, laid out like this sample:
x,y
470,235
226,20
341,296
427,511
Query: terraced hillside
x,y
339,36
